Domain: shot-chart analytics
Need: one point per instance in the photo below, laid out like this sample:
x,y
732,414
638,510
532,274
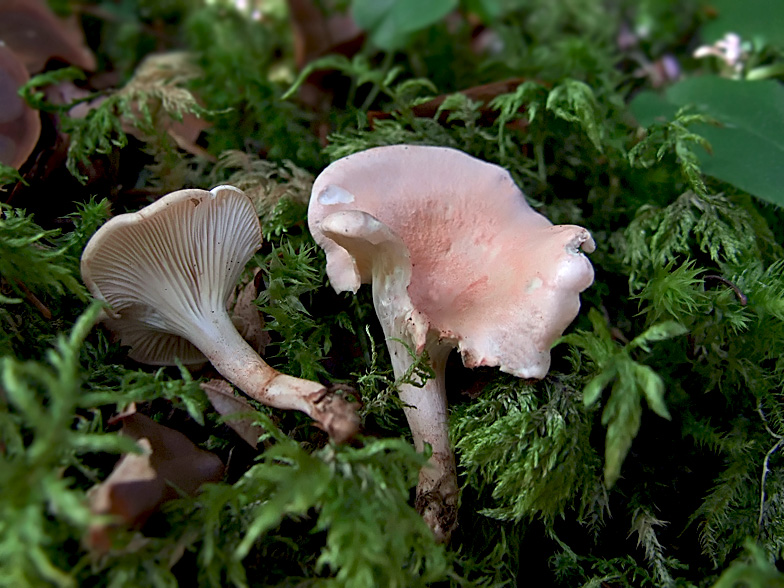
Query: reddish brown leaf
x,y
20,125
316,33
32,31
152,76
226,402
246,316
140,483
164,71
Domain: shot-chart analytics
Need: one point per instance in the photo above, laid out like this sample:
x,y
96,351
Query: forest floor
x,y
650,453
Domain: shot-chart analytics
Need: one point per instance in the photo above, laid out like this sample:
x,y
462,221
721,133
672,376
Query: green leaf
x,y
389,22
760,21
35,96
9,175
28,256
528,445
748,147
490,10
36,498
631,382
752,569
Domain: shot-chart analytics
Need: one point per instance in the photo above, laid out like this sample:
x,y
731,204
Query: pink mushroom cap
x,y
486,271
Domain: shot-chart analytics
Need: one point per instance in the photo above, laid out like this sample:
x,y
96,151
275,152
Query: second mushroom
x,y
167,273
456,258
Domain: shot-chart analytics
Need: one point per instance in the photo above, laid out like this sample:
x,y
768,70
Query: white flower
x,y
729,49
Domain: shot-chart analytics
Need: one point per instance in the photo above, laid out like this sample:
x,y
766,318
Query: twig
x,y
33,299
765,463
741,296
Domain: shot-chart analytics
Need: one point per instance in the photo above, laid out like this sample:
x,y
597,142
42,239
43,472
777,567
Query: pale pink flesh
x,y
486,268
457,258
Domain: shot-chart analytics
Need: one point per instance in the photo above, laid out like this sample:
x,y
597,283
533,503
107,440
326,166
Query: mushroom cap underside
x,y
166,270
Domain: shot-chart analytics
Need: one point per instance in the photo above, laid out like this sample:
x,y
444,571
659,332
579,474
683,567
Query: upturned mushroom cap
x,y
485,270
162,271
20,125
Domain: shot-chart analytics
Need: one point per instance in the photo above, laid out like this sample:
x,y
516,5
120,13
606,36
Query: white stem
x,y
426,409
375,247
236,361
428,418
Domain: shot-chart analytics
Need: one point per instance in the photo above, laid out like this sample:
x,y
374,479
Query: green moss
x,y
649,456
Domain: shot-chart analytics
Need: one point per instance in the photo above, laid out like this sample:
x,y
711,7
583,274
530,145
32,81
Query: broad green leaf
x,y
490,10
389,22
748,147
752,569
759,21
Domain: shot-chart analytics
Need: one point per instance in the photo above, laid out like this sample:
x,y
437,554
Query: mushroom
x,y
456,258
167,273
20,125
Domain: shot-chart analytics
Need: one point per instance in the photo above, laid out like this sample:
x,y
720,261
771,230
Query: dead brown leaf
x,y
246,316
319,31
170,465
20,125
160,77
32,31
226,402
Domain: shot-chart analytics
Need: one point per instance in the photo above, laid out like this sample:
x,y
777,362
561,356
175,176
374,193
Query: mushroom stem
x,y
406,330
167,273
457,258
428,418
236,361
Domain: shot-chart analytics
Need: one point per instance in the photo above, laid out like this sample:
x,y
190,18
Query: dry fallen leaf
x,y
170,464
158,79
20,125
32,31
246,316
318,32
226,402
